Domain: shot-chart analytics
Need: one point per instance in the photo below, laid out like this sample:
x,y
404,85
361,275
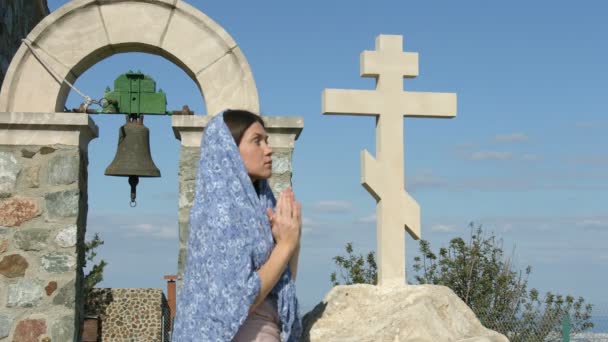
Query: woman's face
x,y
256,153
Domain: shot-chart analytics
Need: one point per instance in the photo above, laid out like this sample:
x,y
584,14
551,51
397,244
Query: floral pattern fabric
x,y
229,240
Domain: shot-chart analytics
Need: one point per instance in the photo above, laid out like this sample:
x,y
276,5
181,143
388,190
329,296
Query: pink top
x,y
262,325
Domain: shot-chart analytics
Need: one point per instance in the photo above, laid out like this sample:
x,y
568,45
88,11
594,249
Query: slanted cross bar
x,y
383,176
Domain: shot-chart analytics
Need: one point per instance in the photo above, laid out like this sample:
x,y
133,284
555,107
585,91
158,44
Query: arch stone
x,y
84,32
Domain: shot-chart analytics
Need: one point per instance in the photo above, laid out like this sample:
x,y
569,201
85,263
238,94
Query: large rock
x,y
5,325
14,211
9,170
186,194
29,330
62,203
25,293
13,266
32,239
66,295
403,313
63,169
32,176
63,329
57,262
3,245
188,163
67,236
281,162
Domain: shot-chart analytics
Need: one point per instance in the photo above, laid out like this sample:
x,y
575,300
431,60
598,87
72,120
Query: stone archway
x,y
83,32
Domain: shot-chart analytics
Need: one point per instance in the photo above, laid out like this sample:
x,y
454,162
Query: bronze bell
x,y
133,157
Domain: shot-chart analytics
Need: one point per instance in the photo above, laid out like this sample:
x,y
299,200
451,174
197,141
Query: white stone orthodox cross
x,y
383,176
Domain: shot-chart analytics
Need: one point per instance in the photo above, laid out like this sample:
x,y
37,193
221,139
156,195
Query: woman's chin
x,y
260,176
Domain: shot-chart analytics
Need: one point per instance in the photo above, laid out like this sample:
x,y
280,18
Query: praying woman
x,y
243,244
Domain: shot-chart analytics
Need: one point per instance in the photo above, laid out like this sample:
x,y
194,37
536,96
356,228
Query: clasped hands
x,y
286,220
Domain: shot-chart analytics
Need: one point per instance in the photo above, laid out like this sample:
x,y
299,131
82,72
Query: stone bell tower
x,y
44,151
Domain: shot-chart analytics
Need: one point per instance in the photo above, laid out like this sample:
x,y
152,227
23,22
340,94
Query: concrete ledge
x,y
283,130
189,128
47,129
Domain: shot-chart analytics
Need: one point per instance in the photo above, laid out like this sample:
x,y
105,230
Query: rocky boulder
x,y
400,313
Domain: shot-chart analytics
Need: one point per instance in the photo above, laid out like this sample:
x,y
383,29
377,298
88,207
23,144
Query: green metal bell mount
x,y
134,93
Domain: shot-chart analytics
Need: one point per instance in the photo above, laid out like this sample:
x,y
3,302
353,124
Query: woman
x,y
239,282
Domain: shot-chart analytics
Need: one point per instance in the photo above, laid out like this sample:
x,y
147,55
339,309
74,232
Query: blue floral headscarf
x,y
230,239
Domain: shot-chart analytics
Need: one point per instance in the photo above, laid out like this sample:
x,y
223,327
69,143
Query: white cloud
x,y
591,124
166,233
157,227
509,138
548,223
466,146
594,223
491,155
309,224
366,219
443,228
143,227
158,231
594,180
423,180
530,157
331,206
588,159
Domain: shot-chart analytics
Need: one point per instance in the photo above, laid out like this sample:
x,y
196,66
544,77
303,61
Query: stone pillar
x,y
283,131
43,209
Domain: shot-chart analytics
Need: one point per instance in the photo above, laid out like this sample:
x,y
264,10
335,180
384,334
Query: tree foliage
x,y
93,299
480,273
355,269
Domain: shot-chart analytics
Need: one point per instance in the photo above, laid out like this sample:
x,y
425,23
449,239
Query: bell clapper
x,y
133,181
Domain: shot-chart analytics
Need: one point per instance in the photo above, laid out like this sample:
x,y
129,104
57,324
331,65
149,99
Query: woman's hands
x,y
286,221
286,224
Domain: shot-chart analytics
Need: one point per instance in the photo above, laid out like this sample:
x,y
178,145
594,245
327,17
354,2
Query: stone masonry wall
x,y
17,19
41,191
188,166
134,315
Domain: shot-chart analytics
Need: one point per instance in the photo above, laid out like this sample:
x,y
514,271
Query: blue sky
x,y
526,156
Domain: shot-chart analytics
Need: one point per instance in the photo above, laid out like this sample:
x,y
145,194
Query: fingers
x,y
288,206
269,213
279,206
295,206
292,199
299,213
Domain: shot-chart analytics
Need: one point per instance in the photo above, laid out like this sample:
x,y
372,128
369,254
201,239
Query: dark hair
x,y
238,121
